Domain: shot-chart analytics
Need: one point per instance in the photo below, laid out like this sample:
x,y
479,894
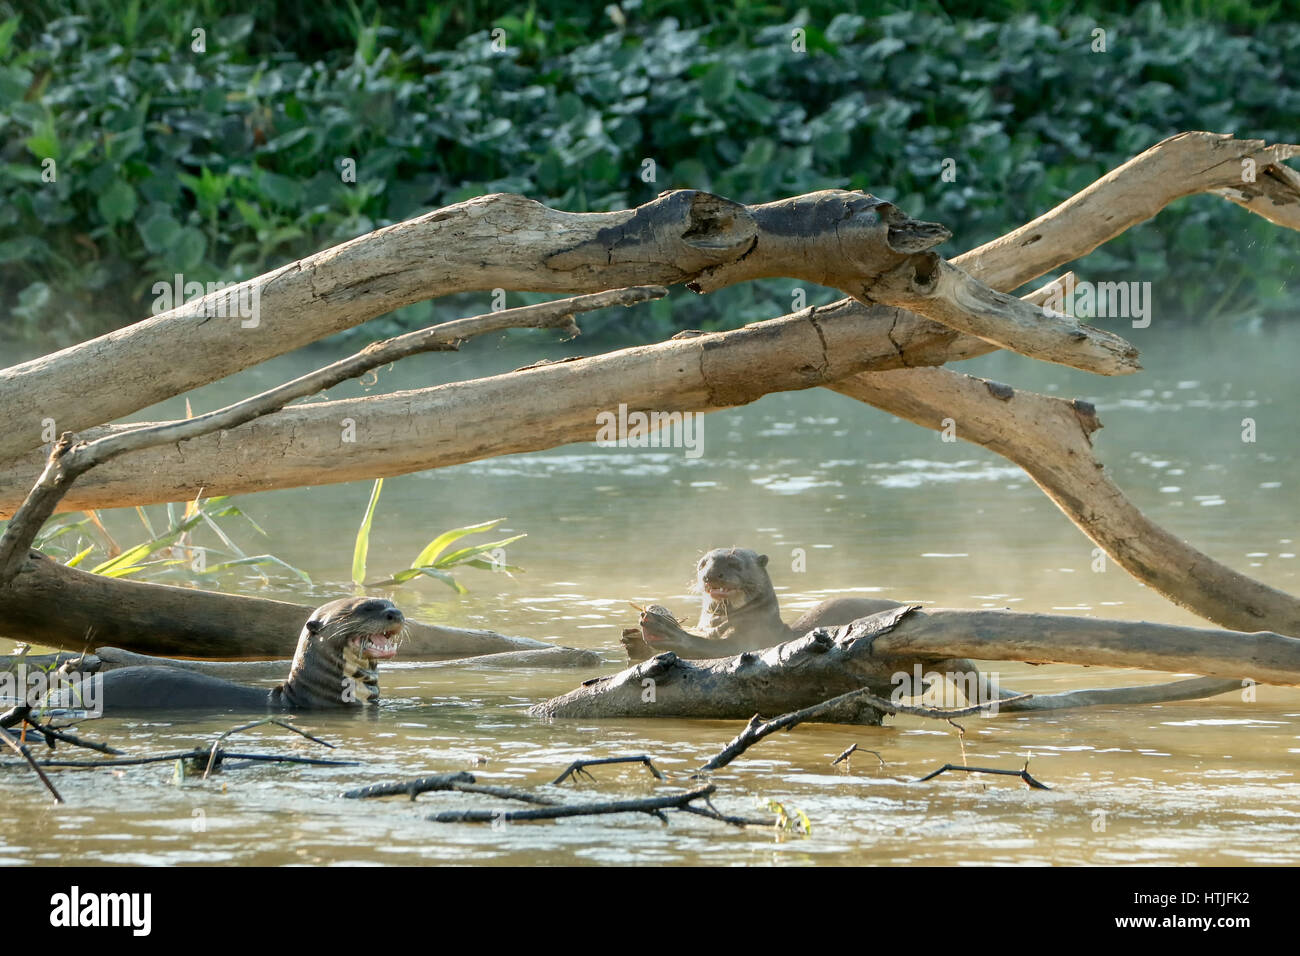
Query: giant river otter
x,y
335,665
739,608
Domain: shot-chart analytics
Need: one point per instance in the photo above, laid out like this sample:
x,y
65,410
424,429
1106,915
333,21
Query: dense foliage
x,y
224,163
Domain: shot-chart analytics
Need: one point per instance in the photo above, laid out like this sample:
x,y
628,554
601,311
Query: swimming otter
x,y
333,666
740,607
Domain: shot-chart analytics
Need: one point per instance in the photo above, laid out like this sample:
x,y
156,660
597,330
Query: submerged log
x,y
880,652
55,606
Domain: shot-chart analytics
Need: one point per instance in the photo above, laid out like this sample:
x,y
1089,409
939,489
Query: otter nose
x,y
394,615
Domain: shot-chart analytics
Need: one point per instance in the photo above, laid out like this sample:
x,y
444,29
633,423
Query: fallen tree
x,y
49,604
881,654
864,246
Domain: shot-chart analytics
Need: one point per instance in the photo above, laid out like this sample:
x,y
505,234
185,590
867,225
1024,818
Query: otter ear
x,y
762,560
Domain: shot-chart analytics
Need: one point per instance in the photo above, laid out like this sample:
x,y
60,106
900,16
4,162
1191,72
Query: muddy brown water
x,y
875,507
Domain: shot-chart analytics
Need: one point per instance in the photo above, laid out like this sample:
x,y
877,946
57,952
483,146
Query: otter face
x,y
732,576
367,628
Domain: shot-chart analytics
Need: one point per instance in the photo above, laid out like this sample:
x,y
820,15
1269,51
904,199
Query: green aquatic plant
x,y
434,560
790,820
171,548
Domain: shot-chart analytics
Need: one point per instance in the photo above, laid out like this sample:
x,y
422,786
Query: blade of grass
x,y
426,558
401,577
464,554
362,548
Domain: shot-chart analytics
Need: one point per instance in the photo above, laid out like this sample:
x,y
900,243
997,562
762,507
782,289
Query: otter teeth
x,y
378,645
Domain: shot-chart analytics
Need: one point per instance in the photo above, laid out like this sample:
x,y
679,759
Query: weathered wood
x,y
1196,688
878,652
928,285
1050,438
1182,165
449,424
52,605
781,679
1262,656
540,657
69,459
497,241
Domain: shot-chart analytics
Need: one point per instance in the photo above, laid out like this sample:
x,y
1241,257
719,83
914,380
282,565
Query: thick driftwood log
x,y
498,241
1182,165
877,652
49,604
1050,438
788,677
69,459
278,451
427,428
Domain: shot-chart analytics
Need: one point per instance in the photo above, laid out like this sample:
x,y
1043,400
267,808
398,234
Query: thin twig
x,y
26,755
213,754
76,741
70,458
651,805
580,767
854,748
757,729
1023,774
199,753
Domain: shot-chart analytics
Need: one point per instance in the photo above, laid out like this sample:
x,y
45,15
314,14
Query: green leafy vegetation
x,y
434,560
169,554
225,163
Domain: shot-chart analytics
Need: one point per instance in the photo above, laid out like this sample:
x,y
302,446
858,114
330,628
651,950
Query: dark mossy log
x,y
876,652
55,606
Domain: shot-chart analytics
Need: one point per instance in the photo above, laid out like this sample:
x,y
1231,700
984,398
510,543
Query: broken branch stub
x,y
928,285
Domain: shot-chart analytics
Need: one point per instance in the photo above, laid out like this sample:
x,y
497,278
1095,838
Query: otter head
x,y
733,577
338,652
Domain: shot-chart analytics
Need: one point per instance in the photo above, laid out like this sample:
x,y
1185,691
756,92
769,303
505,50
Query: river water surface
x,y
876,507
